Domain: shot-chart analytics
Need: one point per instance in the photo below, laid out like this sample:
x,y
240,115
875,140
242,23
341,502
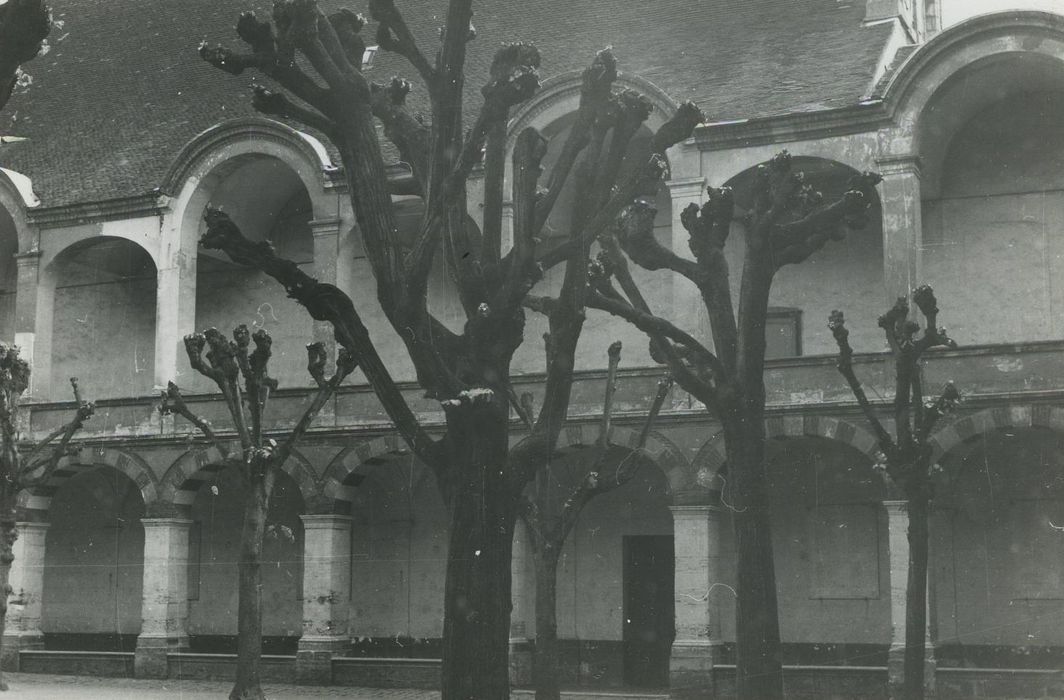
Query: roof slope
x,y
123,90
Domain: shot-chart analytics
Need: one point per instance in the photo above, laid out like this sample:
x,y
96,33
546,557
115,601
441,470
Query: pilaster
x,y
902,224
697,646
164,625
326,595
522,615
23,623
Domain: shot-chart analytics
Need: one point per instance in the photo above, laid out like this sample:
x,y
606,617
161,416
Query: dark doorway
x,y
649,626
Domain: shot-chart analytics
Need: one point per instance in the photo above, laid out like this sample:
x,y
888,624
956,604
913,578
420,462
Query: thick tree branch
x,y
325,302
276,104
595,96
394,35
409,134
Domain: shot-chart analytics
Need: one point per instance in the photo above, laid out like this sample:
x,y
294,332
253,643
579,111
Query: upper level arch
x,y
934,88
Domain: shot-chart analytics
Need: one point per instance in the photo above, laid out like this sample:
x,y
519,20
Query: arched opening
x,y
830,544
8,275
94,563
615,607
997,551
103,324
268,200
993,198
399,545
214,550
846,274
657,287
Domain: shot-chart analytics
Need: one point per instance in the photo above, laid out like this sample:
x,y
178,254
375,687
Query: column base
x,y
149,658
15,642
896,670
520,662
314,658
691,668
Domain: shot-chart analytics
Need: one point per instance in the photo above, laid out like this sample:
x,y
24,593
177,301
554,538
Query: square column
x,y
23,623
902,224
175,315
688,311
898,547
696,531
522,614
326,595
164,616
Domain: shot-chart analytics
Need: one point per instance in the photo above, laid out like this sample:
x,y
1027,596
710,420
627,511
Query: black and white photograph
x,y
532,349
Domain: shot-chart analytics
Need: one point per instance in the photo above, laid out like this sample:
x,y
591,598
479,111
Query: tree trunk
x,y
916,599
545,668
477,602
759,663
249,611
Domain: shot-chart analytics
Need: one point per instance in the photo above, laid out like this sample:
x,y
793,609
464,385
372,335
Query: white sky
x,y
954,11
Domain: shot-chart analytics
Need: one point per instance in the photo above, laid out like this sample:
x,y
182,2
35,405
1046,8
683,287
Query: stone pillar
x,y
175,315
687,308
902,224
326,595
898,545
696,531
23,623
164,625
523,614
31,316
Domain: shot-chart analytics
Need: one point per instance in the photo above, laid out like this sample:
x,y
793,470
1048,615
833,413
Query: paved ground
x,y
34,686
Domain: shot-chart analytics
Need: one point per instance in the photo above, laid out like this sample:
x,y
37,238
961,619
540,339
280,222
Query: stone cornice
x,y
797,126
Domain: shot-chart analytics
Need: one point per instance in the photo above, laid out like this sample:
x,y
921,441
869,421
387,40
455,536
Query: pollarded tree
x,y
25,466
787,223
467,372
550,513
228,363
905,459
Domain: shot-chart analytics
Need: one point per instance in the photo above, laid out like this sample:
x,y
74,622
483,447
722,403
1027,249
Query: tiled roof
x,y
123,90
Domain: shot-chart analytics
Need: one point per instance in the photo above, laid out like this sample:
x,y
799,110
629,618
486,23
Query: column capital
x,y
166,522
28,258
896,506
32,525
694,511
324,227
906,164
324,521
686,187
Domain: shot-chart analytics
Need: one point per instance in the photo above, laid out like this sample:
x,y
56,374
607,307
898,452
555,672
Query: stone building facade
x,y
126,560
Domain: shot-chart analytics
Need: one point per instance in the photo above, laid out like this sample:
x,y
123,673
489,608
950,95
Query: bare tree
x,y
21,466
905,460
550,519
467,372
787,223
260,459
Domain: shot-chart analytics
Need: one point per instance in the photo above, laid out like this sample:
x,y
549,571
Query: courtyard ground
x,y
34,686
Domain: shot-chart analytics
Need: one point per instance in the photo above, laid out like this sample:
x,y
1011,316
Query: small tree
x,y
787,223
905,460
23,467
550,519
261,458
467,372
